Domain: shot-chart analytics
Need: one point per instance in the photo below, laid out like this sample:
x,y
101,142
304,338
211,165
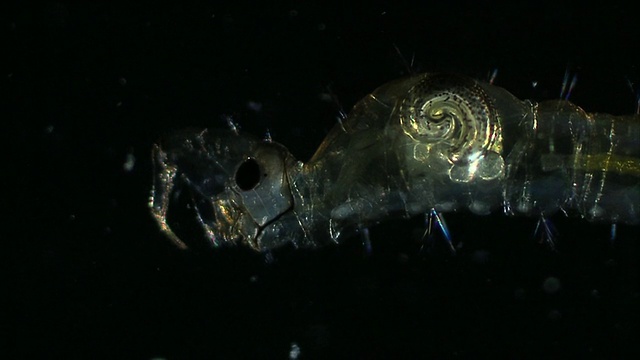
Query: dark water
x,y
90,87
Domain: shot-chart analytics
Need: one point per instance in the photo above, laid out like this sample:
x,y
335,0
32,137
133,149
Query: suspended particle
x,y
254,106
294,351
129,162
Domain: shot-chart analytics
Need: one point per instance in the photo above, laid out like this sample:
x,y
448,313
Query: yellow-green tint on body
x,y
623,165
620,164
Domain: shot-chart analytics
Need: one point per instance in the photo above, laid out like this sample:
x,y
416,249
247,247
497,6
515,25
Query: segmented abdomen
x,y
567,159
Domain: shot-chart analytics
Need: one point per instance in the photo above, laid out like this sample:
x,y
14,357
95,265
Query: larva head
x,y
226,186
451,118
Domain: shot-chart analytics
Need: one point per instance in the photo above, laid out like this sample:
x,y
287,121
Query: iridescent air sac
x,y
430,143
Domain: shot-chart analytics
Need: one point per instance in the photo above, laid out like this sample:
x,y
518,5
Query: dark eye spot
x,y
248,175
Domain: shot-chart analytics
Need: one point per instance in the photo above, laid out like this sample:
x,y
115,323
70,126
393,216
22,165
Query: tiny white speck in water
x,y
596,211
129,162
294,352
122,81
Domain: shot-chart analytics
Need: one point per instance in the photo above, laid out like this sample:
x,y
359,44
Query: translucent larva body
x,y
428,142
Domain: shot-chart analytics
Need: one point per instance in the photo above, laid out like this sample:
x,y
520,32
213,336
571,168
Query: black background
x,y
90,85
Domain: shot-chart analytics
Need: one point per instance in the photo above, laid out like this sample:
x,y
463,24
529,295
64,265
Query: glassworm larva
x,y
426,144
